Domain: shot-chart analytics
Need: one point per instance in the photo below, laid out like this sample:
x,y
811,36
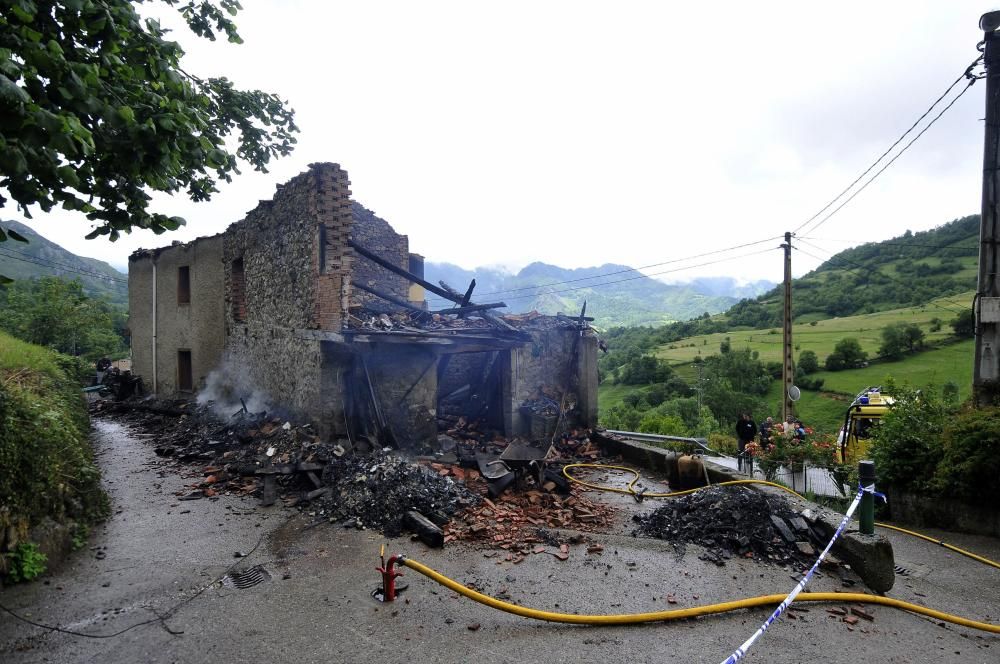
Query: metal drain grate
x,y
247,578
902,571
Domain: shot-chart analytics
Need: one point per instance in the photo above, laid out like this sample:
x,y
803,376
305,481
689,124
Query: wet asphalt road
x,y
157,551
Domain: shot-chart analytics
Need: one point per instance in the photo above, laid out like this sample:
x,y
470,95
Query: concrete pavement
x,y
317,608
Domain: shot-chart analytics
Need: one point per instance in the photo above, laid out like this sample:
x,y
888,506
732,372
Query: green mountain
x,y
633,298
42,258
907,270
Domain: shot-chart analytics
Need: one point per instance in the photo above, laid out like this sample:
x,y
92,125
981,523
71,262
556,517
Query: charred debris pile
x,y
477,487
734,521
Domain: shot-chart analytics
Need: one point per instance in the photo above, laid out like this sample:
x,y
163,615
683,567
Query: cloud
x,y
585,133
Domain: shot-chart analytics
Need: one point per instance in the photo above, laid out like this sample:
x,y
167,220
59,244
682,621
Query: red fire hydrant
x,y
389,574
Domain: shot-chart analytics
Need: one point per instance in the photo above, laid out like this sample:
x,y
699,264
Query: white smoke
x,y
225,386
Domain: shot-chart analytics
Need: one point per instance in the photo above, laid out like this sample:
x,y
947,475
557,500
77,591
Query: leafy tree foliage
x,y
803,380
808,362
970,466
846,355
900,338
57,314
964,324
906,447
95,111
644,370
752,313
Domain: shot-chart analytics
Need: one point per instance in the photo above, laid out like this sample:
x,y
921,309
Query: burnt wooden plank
x,y
387,297
406,274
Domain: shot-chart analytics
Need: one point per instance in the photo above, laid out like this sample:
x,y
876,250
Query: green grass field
x,y
822,336
824,410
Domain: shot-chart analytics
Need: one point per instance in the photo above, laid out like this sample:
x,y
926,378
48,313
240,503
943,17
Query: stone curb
x,y
870,556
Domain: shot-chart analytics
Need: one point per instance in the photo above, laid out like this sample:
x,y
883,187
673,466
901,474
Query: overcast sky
x,y
583,133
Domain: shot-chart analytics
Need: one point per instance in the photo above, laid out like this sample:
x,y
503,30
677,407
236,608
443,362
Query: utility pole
x,y
701,387
987,302
787,366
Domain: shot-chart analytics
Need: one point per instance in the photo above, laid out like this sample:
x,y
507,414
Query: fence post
x,y
866,516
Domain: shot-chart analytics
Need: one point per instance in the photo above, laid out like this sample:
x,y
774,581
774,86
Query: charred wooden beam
x,y
406,274
452,294
589,319
424,528
468,294
466,299
471,308
387,297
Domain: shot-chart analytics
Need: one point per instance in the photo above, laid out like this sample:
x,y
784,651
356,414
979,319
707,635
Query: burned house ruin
x,y
320,304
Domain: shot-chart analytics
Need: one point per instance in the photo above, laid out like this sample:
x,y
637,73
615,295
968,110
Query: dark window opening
x,y
185,377
239,291
184,284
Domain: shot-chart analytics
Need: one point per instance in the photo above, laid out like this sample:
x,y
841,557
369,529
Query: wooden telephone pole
x,y
787,366
987,302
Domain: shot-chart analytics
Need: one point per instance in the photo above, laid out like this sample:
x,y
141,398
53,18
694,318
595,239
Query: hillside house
x,y
320,304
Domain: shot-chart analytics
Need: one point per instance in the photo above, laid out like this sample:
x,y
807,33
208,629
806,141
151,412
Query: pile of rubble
x,y
379,489
466,491
520,520
734,521
366,318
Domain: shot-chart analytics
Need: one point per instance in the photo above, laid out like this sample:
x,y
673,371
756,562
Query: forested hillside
x,y
41,258
896,308
905,271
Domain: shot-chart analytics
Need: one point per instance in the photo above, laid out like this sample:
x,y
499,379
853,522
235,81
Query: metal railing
x,y
801,476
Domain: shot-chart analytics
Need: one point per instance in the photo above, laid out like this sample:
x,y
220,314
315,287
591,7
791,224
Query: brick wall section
x,y
333,211
375,234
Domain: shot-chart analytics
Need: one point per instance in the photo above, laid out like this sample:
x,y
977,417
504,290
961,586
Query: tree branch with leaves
x,y
96,112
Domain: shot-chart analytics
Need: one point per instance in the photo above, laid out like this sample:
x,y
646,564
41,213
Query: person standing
x,y
746,431
765,431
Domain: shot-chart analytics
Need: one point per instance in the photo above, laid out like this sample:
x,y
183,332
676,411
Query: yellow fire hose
x,y
707,609
631,491
693,612
950,547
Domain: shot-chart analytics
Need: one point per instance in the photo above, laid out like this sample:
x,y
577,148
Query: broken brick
x,y
861,613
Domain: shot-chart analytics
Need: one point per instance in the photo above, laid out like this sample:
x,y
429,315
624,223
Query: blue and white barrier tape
x,y
741,652
872,491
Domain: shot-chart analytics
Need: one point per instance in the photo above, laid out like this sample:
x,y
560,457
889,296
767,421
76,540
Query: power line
x,y
889,163
26,258
631,269
966,74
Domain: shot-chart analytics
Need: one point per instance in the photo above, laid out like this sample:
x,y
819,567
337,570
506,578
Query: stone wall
x,y
919,511
543,367
405,381
376,235
291,268
196,325
289,278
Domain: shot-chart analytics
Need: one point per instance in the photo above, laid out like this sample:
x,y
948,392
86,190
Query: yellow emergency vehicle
x,y
863,415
